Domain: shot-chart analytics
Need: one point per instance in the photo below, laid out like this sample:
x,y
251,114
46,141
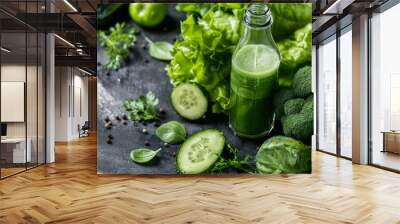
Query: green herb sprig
x,y
118,41
244,165
143,108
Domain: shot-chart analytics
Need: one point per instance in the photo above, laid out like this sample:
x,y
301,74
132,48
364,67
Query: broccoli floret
x,y
279,100
310,98
293,106
308,107
299,126
302,82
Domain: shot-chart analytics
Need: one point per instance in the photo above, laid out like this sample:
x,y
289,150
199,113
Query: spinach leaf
x,y
118,41
160,50
143,155
172,132
143,108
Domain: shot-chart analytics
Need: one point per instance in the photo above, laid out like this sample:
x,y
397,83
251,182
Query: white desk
x,y
19,149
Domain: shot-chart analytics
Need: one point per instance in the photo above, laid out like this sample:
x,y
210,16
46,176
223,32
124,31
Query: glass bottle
x,y
254,75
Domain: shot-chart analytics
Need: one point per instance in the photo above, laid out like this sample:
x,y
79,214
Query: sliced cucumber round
x,y
199,152
189,101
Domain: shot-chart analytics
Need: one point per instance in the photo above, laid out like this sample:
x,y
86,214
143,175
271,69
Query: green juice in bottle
x,y
254,76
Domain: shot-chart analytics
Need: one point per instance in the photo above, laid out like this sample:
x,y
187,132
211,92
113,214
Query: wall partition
x,y
22,101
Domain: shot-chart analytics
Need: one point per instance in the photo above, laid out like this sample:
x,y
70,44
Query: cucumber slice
x,y
199,152
189,101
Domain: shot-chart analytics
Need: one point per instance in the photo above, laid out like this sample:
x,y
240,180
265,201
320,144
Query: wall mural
x,y
206,88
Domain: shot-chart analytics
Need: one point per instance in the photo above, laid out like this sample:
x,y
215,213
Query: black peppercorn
x,y
124,117
109,141
146,143
107,119
124,122
162,110
117,118
108,125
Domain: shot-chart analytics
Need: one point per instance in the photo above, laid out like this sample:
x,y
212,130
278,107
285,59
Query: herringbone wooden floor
x,y
70,191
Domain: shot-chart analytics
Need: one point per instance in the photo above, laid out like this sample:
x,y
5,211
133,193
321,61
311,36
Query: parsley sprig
x,y
118,41
233,161
143,108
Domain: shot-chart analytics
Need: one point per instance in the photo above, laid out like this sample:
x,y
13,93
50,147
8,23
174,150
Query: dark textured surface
x,y
137,78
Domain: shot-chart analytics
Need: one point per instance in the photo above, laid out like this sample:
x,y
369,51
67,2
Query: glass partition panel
x,y
32,98
14,153
327,96
346,93
41,99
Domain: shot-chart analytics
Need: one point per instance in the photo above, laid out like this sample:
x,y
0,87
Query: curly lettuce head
x,y
209,36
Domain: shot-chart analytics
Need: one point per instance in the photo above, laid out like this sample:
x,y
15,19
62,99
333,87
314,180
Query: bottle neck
x,y
258,16
258,21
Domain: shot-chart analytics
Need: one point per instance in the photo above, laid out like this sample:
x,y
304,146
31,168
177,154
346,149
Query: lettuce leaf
x,y
289,17
203,55
295,53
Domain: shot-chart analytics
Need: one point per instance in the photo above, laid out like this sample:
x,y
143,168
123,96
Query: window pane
x,y
327,96
346,94
385,84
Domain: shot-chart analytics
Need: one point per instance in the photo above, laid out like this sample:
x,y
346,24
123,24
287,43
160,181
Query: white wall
x,y
71,102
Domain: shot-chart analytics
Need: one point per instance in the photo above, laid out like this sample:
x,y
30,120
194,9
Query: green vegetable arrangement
x,y
203,56
199,68
118,41
210,34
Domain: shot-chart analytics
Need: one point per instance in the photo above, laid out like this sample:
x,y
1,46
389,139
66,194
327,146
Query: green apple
x,y
147,14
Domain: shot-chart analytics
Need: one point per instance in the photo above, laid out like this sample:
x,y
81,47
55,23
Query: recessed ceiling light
x,y
5,50
64,40
70,5
84,71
